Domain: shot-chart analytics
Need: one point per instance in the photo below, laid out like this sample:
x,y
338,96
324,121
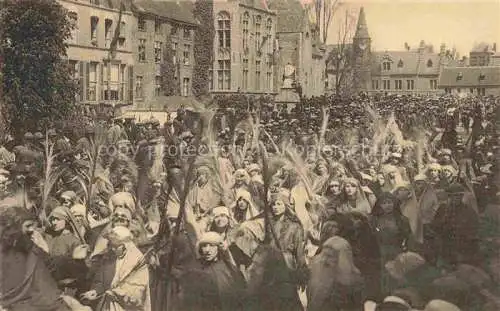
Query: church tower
x,y
361,55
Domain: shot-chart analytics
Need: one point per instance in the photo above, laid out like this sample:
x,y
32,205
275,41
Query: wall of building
x,y
148,72
484,91
421,84
89,54
244,59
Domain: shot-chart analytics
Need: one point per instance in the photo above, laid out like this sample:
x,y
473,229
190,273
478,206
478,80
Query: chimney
x,y
494,47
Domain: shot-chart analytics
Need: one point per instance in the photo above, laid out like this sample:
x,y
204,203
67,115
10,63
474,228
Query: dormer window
x,y
386,66
482,76
429,63
400,63
460,76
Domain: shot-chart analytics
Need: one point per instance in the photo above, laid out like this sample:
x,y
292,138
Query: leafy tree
x,y
37,85
203,46
168,69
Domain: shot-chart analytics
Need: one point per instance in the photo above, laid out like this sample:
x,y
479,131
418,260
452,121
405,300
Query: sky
x,y
391,23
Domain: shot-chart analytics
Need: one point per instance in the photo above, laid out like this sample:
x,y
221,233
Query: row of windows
x,y
102,81
224,31
109,30
386,65
158,51
398,84
139,91
174,31
478,91
223,78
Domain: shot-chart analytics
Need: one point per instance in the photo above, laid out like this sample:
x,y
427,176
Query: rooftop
x,y
181,11
470,76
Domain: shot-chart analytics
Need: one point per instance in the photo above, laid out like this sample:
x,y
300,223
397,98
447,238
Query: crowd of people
x,y
343,204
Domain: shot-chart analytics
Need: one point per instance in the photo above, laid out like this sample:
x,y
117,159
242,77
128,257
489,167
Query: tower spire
x,y
362,27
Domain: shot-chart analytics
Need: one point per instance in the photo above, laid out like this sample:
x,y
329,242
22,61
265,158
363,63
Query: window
x,y
158,86
157,26
459,90
141,23
224,75
269,75
246,18
123,81
92,86
174,31
73,19
139,92
187,34
94,21
258,22
211,78
429,63
111,89
108,26
398,84
433,84
482,76
481,91
375,85
471,90
447,90
410,84
386,66
460,76
158,53
175,46
245,74
257,75
400,63
386,84
224,30
186,54
142,50
185,87
269,32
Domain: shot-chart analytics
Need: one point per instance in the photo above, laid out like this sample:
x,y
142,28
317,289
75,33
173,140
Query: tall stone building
x,y
245,33
484,54
103,78
159,23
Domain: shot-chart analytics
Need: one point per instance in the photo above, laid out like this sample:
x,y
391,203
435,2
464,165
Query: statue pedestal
x,y
287,96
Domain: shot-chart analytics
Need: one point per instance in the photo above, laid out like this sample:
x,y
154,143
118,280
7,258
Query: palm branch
x,y
52,174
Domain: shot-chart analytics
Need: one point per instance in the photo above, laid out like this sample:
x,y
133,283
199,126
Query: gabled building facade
x,y
103,77
299,46
244,46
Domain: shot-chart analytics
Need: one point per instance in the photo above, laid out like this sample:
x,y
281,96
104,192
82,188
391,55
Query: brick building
x,y
407,71
472,80
158,24
243,48
103,78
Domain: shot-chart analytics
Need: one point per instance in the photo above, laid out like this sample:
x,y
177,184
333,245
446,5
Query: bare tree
x,y
339,62
324,11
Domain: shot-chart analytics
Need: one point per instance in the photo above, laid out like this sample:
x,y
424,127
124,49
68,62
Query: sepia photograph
x,y
249,155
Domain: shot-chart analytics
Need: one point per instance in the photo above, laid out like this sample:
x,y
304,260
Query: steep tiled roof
x,y
483,47
470,76
181,11
291,15
412,61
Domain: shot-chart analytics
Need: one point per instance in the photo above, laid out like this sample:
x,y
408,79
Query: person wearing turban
x,y
456,226
127,287
335,283
63,239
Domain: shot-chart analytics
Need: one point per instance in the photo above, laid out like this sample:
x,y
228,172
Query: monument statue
x,y
288,76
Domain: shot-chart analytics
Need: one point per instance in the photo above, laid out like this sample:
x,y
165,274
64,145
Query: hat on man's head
x,y
403,264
